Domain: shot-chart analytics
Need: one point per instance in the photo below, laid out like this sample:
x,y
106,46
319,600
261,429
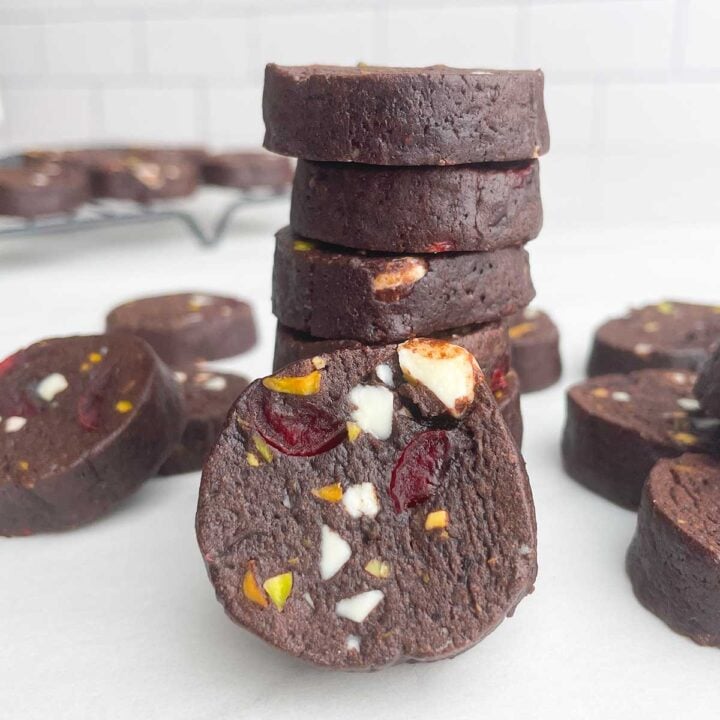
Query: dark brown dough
x,y
404,116
248,170
667,335
188,327
419,209
208,396
292,561
329,292
85,420
619,426
674,558
45,189
488,343
535,343
707,387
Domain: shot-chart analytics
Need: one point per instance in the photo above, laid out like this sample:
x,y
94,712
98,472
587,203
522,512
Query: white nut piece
x,y
334,552
689,404
448,371
358,607
373,409
352,643
52,385
14,423
385,374
399,274
216,383
361,499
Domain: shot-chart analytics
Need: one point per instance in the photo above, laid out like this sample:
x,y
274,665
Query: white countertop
x,y
118,619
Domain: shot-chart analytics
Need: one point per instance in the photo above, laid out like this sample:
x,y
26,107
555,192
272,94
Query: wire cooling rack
x,y
101,213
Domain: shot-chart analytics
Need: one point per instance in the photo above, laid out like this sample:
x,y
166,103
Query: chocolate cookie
x,y
674,558
85,420
248,170
330,292
188,327
707,388
404,116
142,175
535,343
194,154
667,335
488,343
143,179
208,397
369,507
619,426
45,189
420,209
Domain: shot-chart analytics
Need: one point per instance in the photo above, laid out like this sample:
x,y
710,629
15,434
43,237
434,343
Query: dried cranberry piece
x,y
297,427
89,404
9,363
440,246
418,471
498,380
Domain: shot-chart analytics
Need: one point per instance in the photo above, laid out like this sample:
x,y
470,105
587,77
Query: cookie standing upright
x,y
535,343
674,559
404,116
85,420
187,327
668,334
368,507
619,426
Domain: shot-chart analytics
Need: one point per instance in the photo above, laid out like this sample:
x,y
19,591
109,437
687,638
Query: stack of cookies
x,y
415,192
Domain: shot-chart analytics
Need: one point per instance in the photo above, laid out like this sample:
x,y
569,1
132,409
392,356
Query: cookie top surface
x,y
404,116
65,398
686,491
173,312
659,405
354,519
667,327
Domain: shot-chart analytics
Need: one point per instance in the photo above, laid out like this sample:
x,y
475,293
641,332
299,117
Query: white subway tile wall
x,y
632,76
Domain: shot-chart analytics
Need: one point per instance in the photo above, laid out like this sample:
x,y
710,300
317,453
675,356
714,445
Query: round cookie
x,y
357,522
488,343
619,426
45,189
420,209
248,170
329,292
707,388
208,397
144,179
85,420
667,335
188,327
404,116
535,344
674,559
